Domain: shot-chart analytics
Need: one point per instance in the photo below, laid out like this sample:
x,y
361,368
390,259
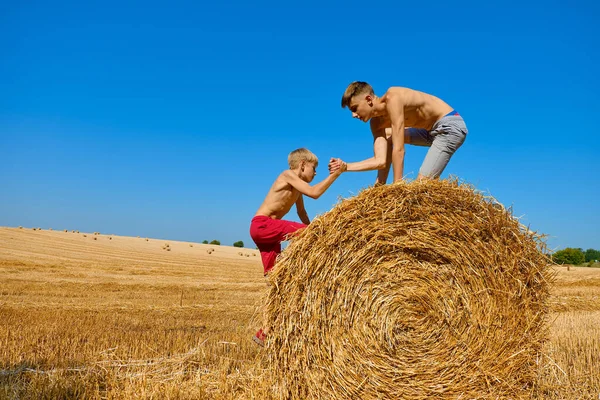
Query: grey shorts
x,y
444,138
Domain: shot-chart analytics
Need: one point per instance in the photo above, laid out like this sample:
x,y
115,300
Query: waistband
x,y
261,218
452,113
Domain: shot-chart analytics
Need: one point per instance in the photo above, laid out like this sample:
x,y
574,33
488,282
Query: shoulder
x,y
287,176
397,93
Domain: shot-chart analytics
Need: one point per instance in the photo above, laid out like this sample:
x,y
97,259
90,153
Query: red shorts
x,y
268,233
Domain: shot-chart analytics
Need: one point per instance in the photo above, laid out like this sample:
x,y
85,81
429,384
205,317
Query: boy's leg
x,y
268,254
417,137
268,234
281,229
288,227
449,133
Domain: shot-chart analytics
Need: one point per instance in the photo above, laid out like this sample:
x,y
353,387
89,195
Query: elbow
x,y
315,193
398,152
380,164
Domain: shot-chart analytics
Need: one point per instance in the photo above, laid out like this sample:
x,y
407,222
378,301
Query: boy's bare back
x,y
421,110
280,199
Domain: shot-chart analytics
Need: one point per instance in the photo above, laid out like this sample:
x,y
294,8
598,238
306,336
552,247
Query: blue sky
x,y
171,120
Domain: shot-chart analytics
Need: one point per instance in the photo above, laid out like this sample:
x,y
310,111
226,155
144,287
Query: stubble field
x,y
104,316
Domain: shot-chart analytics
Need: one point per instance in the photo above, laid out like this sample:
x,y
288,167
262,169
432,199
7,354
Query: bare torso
x,y
421,110
280,199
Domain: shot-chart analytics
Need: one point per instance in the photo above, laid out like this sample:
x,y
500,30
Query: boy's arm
x,y
395,109
383,173
302,211
311,191
378,161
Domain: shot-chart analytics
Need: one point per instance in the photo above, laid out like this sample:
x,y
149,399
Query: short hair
x,y
354,89
299,155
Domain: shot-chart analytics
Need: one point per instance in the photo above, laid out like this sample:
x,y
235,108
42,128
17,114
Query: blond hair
x,y
299,155
354,89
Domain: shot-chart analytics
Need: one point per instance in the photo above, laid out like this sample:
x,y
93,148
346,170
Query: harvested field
x,y
123,319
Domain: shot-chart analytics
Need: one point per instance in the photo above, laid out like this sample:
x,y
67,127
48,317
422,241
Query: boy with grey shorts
x,y
403,116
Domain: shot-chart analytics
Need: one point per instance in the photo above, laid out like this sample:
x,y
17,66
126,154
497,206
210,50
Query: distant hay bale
x,y
49,229
20,227
247,255
146,239
95,238
209,251
84,235
191,245
240,253
109,238
33,229
413,290
66,230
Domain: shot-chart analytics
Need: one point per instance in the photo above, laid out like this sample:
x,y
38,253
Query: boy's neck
x,y
297,171
379,107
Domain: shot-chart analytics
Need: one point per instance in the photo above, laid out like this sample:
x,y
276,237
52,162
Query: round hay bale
x,y
413,290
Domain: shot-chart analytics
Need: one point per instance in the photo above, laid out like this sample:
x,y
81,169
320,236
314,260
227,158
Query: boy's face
x,y
361,107
308,171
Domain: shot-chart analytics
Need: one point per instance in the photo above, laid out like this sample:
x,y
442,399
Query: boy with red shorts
x,y
267,229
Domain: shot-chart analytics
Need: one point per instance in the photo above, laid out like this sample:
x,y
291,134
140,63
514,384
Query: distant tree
x,y
205,242
569,256
238,244
216,242
592,255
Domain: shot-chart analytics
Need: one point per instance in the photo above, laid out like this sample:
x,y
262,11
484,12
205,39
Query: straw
x,y
417,290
